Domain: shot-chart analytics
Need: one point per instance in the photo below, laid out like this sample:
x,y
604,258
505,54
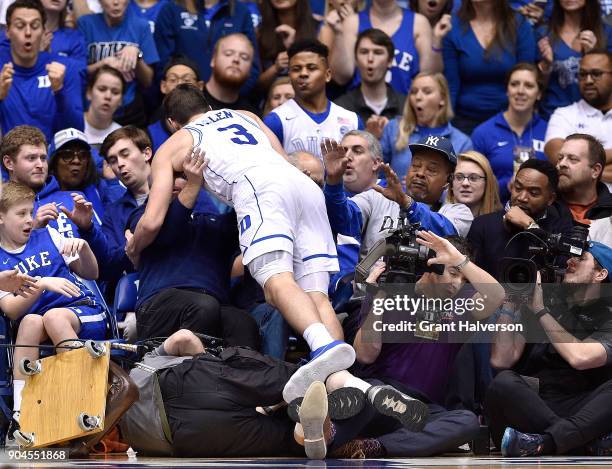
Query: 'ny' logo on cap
x,y
431,140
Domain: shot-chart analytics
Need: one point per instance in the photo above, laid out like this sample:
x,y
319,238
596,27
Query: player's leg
x,y
274,271
31,332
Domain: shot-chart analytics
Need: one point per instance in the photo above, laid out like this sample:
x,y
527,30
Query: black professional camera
x,y
404,257
547,252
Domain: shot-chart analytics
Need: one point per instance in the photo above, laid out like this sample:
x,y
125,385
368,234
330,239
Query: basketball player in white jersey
x,y
304,122
285,237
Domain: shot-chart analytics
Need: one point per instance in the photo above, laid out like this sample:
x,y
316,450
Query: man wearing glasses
x,y
592,114
24,156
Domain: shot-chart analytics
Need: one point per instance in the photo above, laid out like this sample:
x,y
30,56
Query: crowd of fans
x,y
478,119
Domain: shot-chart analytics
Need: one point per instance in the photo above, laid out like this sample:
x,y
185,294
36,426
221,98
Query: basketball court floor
x,y
464,462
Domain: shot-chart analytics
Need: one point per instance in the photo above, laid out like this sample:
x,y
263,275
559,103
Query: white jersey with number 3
x,y
233,143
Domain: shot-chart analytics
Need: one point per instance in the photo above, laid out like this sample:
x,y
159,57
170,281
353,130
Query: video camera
x,y
519,275
403,256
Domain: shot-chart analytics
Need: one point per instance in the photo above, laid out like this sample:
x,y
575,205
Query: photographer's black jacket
x,y
488,236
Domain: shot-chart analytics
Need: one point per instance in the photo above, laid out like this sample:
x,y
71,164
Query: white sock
x,y
316,335
18,385
358,383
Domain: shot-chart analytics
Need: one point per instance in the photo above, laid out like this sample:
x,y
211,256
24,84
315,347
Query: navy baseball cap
x,y
442,145
602,254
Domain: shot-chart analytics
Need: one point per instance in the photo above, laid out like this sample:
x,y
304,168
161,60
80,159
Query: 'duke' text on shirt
x,y
31,263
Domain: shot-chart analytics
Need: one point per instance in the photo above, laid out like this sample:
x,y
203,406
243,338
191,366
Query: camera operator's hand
x,y
335,159
537,298
394,190
446,253
375,272
517,217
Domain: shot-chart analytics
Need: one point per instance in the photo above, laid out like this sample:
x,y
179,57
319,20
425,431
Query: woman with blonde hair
x,y
427,111
474,184
280,91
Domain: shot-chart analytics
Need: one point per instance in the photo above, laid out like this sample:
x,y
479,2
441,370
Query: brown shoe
x,y
360,448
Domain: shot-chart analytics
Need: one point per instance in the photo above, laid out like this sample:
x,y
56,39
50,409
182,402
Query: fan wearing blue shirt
x,y
486,40
517,131
191,29
574,28
178,70
124,42
427,111
24,156
58,39
35,88
146,10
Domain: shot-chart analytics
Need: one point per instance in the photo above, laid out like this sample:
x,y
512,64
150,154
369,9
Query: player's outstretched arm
x,y
168,158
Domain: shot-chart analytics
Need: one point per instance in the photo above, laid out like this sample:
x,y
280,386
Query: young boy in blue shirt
x,y
59,307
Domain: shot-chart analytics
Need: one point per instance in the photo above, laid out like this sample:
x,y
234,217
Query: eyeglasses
x,y
595,74
68,155
189,78
473,178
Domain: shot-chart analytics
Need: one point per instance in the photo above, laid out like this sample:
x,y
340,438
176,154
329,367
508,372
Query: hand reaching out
x,y
60,285
81,214
394,190
446,253
335,159
73,246
18,283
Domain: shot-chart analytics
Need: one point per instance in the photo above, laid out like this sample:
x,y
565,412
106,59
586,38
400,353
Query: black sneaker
x,y
411,412
343,403
517,444
601,446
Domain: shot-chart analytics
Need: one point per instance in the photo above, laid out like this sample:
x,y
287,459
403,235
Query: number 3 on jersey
x,y
242,137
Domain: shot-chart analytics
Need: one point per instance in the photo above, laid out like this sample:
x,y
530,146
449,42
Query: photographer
x,y
369,215
533,204
423,366
557,397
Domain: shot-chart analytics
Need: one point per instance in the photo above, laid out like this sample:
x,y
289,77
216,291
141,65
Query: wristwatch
x,y
462,264
533,225
140,54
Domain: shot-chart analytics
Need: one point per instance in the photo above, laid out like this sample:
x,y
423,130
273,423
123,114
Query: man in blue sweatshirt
x,y
36,88
127,151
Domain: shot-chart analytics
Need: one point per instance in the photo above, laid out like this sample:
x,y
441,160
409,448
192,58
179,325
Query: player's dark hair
x,y
308,45
30,5
378,38
138,137
546,168
184,102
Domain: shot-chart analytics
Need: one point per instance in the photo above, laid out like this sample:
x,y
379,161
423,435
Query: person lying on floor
x,y
194,403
